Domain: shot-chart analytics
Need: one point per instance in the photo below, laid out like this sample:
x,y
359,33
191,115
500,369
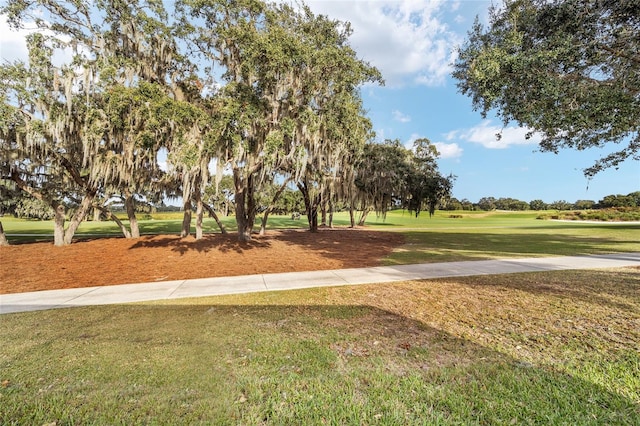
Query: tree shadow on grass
x,y
350,364
487,245
581,225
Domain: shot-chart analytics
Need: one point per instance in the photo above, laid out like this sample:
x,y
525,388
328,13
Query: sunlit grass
x,y
537,348
171,222
440,245
162,223
475,235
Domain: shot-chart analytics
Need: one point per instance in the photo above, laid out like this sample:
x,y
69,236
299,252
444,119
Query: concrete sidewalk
x,y
165,290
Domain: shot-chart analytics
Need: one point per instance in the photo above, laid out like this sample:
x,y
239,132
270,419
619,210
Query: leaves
x,y
389,175
131,83
565,69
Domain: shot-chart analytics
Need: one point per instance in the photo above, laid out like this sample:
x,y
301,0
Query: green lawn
x,y
441,238
21,230
537,348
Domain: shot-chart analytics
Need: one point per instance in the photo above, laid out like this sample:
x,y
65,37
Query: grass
x,y
172,223
535,348
605,215
441,238
439,245
481,235
23,230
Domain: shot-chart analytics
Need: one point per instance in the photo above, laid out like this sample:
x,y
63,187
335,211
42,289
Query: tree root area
x,y
111,261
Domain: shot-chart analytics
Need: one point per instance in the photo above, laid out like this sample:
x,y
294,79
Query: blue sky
x,y
412,42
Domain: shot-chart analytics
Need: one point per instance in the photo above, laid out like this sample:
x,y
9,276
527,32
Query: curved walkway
x,y
116,294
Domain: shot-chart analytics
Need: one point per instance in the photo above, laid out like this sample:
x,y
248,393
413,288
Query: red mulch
x,y
109,261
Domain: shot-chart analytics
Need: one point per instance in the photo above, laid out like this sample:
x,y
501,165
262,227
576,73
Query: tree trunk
x,y
245,205
186,205
363,217
215,217
58,225
323,216
186,220
130,206
331,215
302,187
245,221
263,224
3,238
199,211
110,216
352,216
77,218
123,229
313,218
311,206
241,220
202,178
244,230
96,214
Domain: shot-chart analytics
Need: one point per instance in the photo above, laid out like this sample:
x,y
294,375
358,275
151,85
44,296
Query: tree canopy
x,y
84,116
389,175
567,69
270,92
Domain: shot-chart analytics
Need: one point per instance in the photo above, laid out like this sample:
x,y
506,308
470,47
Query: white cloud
x,y
13,45
162,159
405,39
486,133
399,116
451,135
448,150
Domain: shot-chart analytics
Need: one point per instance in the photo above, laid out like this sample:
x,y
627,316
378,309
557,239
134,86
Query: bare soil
x,y
110,261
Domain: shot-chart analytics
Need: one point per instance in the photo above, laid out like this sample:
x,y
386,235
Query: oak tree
x,y
69,140
280,67
567,69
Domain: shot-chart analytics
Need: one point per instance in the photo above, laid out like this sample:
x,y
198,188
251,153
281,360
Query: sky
x,y
413,43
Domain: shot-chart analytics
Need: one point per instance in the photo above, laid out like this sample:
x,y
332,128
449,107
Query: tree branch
x,y
620,53
212,213
110,216
24,186
73,171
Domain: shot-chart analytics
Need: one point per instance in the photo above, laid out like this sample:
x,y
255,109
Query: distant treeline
x,y
491,203
290,201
